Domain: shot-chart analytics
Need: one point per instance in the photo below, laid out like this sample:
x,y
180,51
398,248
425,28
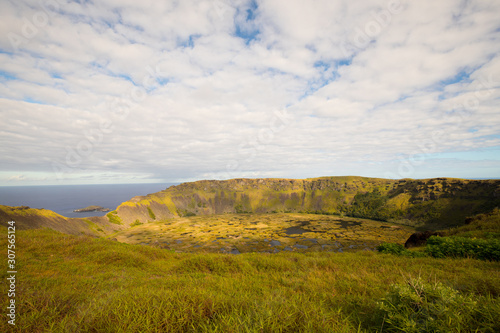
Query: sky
x,y
126,91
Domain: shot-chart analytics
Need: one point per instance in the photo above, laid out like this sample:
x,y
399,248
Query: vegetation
x,y
136,223
306,262
484,225
114,218
83,284
398,249
428,203
32,218
269,233
485,249
418,306
455,247
151,214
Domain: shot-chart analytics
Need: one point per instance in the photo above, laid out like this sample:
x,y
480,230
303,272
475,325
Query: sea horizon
x,y
64,199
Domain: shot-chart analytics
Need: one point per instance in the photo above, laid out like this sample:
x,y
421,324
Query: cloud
x,y
172,91
17,178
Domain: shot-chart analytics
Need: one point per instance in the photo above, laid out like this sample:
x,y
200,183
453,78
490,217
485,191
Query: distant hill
x,y
428,203
32,218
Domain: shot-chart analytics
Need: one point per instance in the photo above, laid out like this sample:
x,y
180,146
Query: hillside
x,y
32,218
432,204
485,225
172,269
82,284
428,203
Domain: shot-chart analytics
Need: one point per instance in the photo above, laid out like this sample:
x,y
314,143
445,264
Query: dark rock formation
x,y
420,238
92,209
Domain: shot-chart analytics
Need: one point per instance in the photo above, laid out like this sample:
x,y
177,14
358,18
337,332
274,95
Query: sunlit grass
x,y
254,233
81,284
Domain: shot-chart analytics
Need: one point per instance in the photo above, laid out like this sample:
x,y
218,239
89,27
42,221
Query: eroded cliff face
x,y
430,203
440,202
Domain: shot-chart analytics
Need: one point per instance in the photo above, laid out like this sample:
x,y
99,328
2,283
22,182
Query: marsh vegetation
x,y
270,233
83,284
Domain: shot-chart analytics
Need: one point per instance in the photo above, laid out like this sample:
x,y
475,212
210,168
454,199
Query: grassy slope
x,y
33,218
429,203
485,225
77,283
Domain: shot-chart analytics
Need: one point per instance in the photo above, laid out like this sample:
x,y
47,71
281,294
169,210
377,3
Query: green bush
x,y
391,248
151,214
369,205
113,218
398,249
485,249
421,307
136,222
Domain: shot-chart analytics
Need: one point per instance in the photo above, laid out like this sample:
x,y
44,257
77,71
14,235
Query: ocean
x,y
63,199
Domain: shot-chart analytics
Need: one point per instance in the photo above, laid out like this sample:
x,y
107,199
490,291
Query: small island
x,y
91,209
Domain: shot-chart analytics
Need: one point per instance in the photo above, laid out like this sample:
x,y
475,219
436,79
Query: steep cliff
x,y
433,203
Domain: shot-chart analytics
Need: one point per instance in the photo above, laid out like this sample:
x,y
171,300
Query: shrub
x,y
151,214
421,307
485,249
398,249
113,218
136,222
185,213
391,248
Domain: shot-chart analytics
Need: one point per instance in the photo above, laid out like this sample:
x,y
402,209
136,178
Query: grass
x,y
256,233
151,214
425,203
418,306
113,218
82,284
486,225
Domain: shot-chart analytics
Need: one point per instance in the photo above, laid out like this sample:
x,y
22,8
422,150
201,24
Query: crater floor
x,y
239,233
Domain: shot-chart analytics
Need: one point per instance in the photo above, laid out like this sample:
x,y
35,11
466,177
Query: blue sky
x,y
122,91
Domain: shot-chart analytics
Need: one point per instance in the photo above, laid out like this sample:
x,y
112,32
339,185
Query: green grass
x,y
113,218
253,233
418,306
486,225
82,284
136,223
151,214
485,249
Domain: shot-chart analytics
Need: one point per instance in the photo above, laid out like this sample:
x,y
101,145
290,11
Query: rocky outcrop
x,y
420,238
91,209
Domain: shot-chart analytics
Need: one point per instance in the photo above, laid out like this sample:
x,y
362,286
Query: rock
x,y
91,209
420,238
469,220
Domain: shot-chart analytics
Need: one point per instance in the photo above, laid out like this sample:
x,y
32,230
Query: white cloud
x,y
187,90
